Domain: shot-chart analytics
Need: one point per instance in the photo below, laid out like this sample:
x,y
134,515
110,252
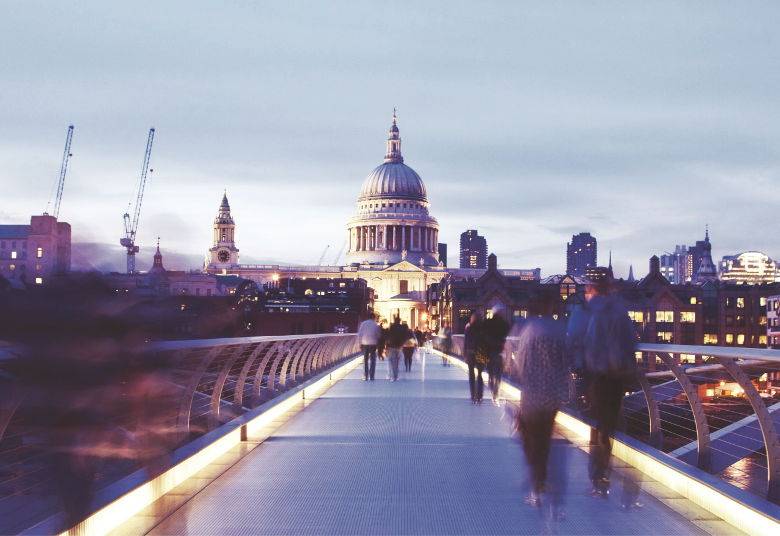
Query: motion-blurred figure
x,y
445,339
476,358
610,366
411,343
542,368
397,335
380,349
494,332
369,333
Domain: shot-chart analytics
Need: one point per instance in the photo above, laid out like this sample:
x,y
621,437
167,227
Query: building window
x,y
403,285
636,316
39,281
664,336
12,267
687,317
13,254
762,301
39,253
740,338
729,302
693,300
762,340
664,316
729,338
740,303
687,358
710,338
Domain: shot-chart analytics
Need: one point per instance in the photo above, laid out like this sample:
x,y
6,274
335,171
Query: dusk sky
x,y
639,122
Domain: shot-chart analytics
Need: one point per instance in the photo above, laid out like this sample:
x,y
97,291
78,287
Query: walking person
x,y
397,335
542,369
380,349
368,335
494,332
476,358
408,349
445,340
610,365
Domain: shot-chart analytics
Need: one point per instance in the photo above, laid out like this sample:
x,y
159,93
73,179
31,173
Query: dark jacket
x,y
397,335
471,339
494,332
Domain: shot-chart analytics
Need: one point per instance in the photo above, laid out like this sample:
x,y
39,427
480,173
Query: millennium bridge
x,y
280,435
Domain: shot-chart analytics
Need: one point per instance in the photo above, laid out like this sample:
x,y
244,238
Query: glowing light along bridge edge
x,y
244,428
693,484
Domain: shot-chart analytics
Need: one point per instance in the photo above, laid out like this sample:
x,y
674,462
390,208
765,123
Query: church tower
x,y
224,253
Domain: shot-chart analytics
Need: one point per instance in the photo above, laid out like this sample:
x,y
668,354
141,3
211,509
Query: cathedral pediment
x,y
403,266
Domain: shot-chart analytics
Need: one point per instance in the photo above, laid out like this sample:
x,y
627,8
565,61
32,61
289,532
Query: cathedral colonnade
x,y
394,237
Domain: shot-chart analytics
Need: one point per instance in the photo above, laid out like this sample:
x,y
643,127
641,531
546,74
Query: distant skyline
x,y
639,123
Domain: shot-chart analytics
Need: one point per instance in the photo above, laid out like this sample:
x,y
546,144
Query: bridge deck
x,y
411,457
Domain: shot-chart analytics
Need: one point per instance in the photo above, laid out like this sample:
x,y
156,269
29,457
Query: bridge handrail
x,y
732,364
204,384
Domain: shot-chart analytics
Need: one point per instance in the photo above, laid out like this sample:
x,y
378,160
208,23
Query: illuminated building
x,y
581,254
773,321
685,264
30,254
392,242
749,268
473,250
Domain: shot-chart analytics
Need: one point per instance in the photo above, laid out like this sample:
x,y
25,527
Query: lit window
x,y
687,358
693,300
729,338
12,267
39,253
664,316
688,317
762,340
762,301
13,254
740,303
636,316
710,338
741,338
39,281
664,336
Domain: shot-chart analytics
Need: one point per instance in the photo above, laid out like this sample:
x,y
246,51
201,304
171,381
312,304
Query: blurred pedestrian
x,y
494,332
397,335
445,341
408,348
476,358
542,369
610,365
368,335
380,349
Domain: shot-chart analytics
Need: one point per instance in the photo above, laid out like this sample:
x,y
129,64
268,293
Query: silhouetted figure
x,y
445,341
494,332
476,357
541,367
369,333
380,349
397,335
409,346
610,365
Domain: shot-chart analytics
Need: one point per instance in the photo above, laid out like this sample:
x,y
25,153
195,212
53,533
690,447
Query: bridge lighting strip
x,y
730,510
122,509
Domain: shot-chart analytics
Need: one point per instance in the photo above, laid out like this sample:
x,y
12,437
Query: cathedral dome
x,y
393,180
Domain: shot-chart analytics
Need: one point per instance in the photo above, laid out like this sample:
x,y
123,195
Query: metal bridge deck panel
x,y
410,457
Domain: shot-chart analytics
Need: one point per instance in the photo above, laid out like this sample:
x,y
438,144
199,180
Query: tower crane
x,y
63,171
322,257
131,226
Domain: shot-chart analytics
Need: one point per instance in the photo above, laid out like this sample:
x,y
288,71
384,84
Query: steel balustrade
x,y
210,382
730,364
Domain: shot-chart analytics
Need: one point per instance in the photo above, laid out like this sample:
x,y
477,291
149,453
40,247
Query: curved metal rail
x,y
722,364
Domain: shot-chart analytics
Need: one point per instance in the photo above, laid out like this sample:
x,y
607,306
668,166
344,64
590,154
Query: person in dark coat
x,y
494,332
397,335
472,344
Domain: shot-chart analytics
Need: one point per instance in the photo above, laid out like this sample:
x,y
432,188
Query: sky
x,y
640,122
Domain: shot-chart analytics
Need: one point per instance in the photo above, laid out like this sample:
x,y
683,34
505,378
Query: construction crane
x,y
131,226
322,257
63,171
338,255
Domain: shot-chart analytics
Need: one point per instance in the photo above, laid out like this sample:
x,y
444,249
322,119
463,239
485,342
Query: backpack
x,y
609,341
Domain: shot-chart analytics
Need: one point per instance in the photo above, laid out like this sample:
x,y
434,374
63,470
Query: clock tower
x,y
224,253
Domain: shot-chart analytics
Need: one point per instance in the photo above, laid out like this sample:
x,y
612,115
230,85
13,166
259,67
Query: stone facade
x,y
31,254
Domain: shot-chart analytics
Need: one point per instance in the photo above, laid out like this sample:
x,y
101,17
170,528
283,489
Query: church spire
x,y
631,278
393,153
157,265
